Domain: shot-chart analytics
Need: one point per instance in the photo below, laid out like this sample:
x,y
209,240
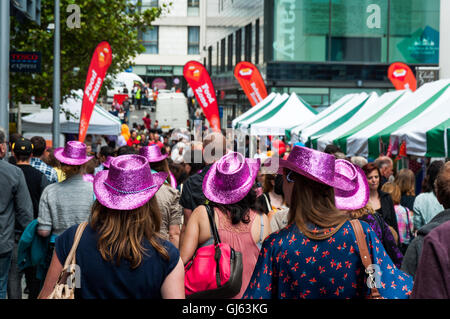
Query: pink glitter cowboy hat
x,y
152,153
349,182
230,179
128,184
107,163
73,153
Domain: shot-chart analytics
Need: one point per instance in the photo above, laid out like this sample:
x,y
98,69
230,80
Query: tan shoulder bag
x,y
65,287
365,256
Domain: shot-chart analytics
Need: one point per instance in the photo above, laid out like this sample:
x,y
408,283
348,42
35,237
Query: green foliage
x,y
116,21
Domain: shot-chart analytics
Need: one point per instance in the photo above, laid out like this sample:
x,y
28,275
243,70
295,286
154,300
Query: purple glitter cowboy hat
x,y
74,153
230,179
152,153
128,184
107,163
349,182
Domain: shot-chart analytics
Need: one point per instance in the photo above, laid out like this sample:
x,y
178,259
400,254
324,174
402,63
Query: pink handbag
x,y
215,271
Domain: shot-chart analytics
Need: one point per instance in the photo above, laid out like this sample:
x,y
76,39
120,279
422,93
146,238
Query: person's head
x,y
406,180
443,186
39,146
124,150
14,137
331,149
133,134
228,185
430,176
385,165
310,202
394,190
320,189
193,161
269,182
126,211
22,150
373,175
50,158
214,147
3,143
105,151
73,156
358,160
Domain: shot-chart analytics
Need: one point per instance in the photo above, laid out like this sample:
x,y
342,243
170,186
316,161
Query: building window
x,y
193,8
222,55
210,49
248,43
238,46
147,4
230,52
150,40
193,40
257,36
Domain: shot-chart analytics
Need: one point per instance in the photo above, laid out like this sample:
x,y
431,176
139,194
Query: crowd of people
x,y
146,197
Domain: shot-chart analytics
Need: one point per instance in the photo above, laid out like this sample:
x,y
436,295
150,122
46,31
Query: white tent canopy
x,y
244,124
101,123
264,103
292,113
410,106
373,105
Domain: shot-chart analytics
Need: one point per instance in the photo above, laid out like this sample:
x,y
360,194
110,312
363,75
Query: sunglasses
x,y
289,177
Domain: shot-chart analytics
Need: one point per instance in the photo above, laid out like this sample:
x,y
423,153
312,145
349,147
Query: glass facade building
x,y
324,49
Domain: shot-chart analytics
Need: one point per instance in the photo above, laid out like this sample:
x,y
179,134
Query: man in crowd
x,y
15,206
214,147
386,166
36,182
37,159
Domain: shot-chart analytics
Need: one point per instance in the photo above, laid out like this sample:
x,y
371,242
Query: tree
x,y
117,21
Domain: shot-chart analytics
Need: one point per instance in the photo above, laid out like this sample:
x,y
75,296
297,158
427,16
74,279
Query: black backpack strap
x,y
212,224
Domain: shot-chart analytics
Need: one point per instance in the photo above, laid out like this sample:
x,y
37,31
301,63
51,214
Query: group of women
x,y
128,250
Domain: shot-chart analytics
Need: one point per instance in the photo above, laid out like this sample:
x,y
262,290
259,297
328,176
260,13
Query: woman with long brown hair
x,y
120,253
316,255
406,180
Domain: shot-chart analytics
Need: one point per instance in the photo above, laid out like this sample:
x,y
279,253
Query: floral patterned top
x,y
291,266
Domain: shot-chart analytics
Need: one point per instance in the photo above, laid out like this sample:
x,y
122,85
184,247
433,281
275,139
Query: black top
x,y
407,201
36,182
192,194
387,210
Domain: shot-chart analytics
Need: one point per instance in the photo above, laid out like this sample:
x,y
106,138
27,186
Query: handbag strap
x,y
212,224
363,250
71,257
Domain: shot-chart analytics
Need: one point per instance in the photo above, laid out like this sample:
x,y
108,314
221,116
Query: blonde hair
x,y
313,202
393,190
358,213
121,233
406,181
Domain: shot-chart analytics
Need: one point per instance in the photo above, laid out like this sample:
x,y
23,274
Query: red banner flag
x,y
200,82
101,60
402,77
251,81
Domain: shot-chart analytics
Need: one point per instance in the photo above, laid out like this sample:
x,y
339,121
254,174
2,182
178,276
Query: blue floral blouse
x,y
292,266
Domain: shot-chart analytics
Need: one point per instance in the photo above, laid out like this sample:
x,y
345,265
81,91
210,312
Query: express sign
x,y
25,62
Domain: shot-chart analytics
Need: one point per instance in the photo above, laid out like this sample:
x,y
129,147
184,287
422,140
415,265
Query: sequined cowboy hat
x,y
73,153
349,182
128,184
107,163
230,179
152,153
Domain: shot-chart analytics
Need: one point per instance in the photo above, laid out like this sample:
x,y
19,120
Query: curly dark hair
x,y
239,212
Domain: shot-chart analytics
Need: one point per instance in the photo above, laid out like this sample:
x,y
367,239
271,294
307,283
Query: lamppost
x,y
4,66
56,79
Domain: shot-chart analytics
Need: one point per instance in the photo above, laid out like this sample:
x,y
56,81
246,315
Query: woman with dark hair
x,y
228,185
380,201
168,196
426,205
120,254
317,254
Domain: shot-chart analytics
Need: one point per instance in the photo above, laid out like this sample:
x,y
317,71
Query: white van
x,y
172,111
